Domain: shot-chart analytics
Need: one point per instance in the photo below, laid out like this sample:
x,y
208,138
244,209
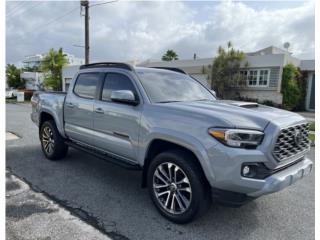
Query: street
x,y
110,198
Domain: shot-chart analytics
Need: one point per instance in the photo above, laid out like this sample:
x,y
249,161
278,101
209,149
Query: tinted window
x,y
169,86
114,82
86,85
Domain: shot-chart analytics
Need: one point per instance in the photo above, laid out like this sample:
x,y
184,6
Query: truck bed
x,y
51,103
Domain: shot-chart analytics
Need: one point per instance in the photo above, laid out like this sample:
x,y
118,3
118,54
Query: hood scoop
x,y
245,104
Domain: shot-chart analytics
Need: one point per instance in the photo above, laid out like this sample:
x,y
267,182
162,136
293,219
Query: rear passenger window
x,y
86,85
114,82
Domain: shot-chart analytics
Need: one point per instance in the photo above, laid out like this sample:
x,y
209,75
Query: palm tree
x,y
13,76
52,65
170,55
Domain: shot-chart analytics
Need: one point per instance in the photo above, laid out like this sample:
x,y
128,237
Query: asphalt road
x,y
110,198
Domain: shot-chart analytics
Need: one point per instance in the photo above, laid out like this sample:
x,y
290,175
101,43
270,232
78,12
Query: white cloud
x,y
139,30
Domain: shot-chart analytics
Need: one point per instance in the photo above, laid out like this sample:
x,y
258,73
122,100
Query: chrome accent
x,y
47,140
291,141
172,188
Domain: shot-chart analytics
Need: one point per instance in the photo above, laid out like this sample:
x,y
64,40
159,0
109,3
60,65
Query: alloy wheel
x,y
47,140
172,188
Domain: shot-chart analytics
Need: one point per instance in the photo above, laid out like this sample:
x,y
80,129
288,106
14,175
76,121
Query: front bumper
x,y
284,178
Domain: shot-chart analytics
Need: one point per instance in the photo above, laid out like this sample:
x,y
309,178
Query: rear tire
x,y
52,143
185,194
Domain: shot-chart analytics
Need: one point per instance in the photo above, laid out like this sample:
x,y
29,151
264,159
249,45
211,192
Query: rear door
x,y
117,124
78,109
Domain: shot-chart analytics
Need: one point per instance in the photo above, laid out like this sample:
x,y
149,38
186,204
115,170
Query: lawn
x,y
312,126
312,135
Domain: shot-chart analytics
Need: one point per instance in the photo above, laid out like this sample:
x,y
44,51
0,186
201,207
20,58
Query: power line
x,y
15,13
97,4
57,18
16,7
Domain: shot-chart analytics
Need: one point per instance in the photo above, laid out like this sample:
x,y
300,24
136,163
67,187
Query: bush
x,y
291,88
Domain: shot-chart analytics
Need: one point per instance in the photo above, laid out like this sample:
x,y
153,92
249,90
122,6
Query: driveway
x,y
110,198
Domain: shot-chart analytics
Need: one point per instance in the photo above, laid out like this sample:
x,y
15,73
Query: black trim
x,y
103,80
107,65
172,69
97,86
105,156
230,199
262,172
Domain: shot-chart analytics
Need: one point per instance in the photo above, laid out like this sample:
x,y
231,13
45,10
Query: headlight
x,y
237,137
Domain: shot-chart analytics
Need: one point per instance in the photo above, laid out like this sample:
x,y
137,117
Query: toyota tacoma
x,y
191,147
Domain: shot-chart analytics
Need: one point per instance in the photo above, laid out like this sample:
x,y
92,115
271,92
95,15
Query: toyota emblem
x,y
297,137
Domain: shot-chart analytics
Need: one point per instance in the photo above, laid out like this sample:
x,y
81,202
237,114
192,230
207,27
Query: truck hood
x,y
235,113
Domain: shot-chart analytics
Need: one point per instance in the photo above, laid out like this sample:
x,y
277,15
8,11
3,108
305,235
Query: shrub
x,y
291,88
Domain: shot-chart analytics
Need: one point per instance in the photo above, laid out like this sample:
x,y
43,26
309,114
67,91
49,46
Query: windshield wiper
x,y
167,101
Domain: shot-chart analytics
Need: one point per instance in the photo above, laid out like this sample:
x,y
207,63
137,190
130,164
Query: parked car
x,y
11,93
191,147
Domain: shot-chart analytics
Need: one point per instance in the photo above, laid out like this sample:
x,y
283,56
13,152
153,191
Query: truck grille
x,y
291,141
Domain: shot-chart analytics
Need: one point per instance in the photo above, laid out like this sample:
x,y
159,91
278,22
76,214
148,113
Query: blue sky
x,y
124,31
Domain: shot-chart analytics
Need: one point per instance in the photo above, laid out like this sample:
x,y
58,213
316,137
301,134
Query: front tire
x,y
52,143
177,186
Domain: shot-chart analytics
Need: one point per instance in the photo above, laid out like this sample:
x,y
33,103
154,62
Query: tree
x,y
170,55
225,70
52,65
13,76
291,90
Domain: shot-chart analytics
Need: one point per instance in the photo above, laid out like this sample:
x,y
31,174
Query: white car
x,y
10,93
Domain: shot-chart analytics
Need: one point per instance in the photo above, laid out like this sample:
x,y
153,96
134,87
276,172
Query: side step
x,y
105,156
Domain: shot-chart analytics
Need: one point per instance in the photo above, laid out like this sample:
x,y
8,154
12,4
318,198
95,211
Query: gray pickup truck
x,y
191,147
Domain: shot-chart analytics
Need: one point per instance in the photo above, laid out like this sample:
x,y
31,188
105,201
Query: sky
x,y
130,30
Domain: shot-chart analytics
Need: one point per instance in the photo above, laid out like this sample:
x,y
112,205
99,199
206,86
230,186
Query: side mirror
x,y
124,96
213,93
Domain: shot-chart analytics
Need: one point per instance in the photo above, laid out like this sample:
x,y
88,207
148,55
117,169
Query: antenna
x,y
286,45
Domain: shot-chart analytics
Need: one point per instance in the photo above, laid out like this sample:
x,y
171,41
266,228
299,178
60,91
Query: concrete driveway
x,y
110,198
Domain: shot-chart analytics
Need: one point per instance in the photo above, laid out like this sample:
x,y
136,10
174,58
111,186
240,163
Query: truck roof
x,y
128,67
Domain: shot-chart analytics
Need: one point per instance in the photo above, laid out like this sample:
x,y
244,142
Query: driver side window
x,y
114,82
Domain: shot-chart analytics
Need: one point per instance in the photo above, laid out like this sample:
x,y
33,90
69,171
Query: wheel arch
x,y
46,116
158,145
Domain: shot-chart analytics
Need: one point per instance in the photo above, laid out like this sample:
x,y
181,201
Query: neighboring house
x,y
308,68
67,74
34,79
263,75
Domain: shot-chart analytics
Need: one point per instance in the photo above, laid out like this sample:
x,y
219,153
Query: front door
x,y
78,109
116,125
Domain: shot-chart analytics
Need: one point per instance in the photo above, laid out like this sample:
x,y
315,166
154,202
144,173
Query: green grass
x,y
11,100
312,126
311,137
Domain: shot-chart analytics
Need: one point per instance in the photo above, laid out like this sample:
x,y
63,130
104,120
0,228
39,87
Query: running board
x,y
105,156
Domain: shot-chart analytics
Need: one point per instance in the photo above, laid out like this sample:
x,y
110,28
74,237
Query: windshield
x,y
164,87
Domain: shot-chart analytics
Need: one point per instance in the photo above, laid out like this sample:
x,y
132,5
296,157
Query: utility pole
x,y
85,4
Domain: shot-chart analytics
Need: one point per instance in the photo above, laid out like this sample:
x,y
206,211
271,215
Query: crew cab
x,y
191,147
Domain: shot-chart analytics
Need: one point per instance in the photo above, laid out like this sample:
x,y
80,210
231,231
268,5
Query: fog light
x,y
246,171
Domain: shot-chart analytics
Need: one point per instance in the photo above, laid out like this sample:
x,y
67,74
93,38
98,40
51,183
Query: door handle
x,y
99,110
70,105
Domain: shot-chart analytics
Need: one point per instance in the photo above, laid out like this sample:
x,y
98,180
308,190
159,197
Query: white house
x,y
263,74
34,78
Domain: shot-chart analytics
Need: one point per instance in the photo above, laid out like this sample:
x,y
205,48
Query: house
x,y
262,71
32,75
263,74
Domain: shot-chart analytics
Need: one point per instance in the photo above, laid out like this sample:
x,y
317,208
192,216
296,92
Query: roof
x,y
178,63
307,65
269,50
